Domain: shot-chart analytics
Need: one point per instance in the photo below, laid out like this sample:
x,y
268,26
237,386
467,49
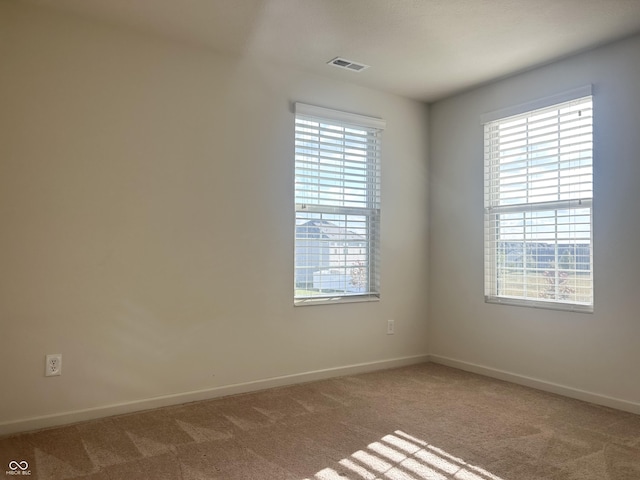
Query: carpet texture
x,y
424,422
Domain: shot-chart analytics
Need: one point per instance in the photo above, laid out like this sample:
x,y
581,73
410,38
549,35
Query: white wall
x,y
146,207
594,353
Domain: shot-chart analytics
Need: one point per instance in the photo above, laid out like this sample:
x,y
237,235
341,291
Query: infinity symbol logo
x,y
23,465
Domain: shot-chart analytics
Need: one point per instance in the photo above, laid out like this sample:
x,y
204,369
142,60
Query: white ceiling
x,y
423,49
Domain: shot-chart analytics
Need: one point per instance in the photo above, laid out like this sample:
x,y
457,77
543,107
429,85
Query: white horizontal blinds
x,y
538,194
543,156
335,165
337,196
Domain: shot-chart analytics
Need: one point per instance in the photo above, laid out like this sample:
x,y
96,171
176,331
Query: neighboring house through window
x,y
538,194
337,205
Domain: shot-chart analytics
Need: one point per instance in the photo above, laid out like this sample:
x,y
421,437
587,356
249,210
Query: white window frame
x,y
334,202
571,207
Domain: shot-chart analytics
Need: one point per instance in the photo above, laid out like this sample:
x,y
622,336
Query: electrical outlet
x,y
53,365
391,327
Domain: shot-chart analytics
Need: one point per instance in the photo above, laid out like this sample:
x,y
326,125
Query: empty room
x,y
320,239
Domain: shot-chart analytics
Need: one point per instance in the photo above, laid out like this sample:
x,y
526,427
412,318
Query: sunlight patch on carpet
x,y
400,456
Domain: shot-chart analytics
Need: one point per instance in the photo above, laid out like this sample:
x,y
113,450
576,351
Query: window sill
x,y
518,302
309,302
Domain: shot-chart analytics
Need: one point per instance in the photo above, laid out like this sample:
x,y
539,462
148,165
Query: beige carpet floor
x,y
421,422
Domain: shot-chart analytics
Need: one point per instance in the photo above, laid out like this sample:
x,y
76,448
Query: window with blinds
x,y
538,205
337,205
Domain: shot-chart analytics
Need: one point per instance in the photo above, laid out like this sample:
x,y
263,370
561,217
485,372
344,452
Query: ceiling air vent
x,y
347,64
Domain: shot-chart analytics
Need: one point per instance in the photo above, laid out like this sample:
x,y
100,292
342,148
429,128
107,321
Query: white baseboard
x,y
46,421
539,384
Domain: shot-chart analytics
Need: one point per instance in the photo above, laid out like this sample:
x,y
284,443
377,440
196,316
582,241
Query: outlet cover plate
x,y
53,365
391,327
